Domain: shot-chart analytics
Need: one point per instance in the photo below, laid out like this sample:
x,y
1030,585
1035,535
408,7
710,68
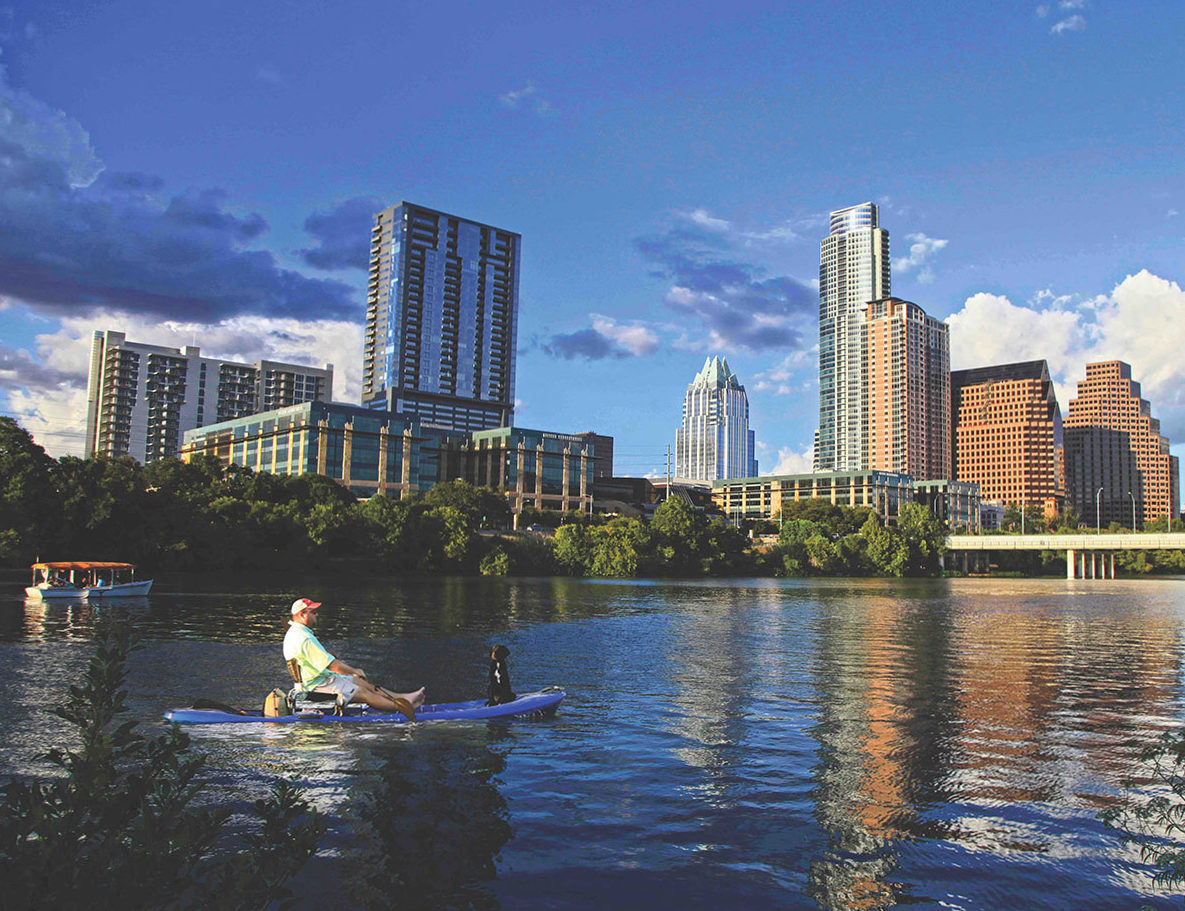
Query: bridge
x,y
1087,556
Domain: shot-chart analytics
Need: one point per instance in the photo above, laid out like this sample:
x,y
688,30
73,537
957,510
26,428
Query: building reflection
x,y
974,710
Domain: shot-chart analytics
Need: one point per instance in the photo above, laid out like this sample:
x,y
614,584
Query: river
x,y
769,743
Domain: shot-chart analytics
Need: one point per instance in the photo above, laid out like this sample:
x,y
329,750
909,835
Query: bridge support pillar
x,y
1071,556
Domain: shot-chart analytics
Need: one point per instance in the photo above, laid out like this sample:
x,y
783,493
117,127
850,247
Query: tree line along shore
x,y
180,516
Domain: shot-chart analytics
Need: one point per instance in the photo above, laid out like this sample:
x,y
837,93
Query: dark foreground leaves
x,y
117,828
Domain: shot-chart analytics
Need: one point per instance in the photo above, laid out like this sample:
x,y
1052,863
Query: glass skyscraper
x,y
853,270
715,441
441,319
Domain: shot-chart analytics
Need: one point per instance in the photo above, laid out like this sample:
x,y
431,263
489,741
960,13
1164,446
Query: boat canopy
x,y
86,565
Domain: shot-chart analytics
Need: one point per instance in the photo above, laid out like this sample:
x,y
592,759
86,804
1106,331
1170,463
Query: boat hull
x,y
123,590
528,705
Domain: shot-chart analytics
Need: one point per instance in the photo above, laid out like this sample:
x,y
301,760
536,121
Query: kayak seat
x,y
302,700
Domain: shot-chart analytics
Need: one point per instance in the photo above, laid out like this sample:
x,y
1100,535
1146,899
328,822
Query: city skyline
x,y
187,183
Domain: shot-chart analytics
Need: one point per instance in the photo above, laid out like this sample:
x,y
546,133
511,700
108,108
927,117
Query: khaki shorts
x,y
338,684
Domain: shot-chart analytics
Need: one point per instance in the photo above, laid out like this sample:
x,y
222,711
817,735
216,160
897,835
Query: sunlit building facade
x,y
1116,457
715,441
441,319
884,492
906,390
853,270
1007,432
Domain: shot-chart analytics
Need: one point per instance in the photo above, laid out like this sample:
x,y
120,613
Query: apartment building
x,y
142,398
906,381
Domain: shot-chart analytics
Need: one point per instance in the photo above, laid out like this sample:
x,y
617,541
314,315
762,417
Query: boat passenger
x,y
323,673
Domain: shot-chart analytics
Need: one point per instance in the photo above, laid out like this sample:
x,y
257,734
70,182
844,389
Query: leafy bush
x,y
116,830
1157,823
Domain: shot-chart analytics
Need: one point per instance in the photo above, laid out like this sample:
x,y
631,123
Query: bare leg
x,y
386,701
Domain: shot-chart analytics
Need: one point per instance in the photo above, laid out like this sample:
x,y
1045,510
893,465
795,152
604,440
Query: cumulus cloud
x,y
791,462
46,388
734,301
990,329
606,338
77,239
341,234
922,249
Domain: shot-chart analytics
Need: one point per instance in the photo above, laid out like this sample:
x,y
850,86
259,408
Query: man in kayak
x,y
323,673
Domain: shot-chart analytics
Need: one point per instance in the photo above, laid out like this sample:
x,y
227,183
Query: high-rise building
x,y
441,319
906,390
715,441
1116,457
853,270
141,398
1008,434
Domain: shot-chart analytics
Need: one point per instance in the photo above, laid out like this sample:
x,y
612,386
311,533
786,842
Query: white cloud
x,y
1072,4
922,249
529,92
791,462
637,339
1069,24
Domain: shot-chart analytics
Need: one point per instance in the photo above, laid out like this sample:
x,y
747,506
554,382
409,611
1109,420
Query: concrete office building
x,y
536,468
715,441
1007,431
1116,457
441,319
884,492
853,270
142,398
906,390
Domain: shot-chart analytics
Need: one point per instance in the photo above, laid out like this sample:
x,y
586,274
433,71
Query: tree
x,y
924,537
118,830
30,507
1157,823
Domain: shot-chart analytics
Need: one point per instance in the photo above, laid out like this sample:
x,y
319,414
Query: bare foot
x,y
416,698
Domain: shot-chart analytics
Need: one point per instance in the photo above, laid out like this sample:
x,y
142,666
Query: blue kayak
x,y
528,705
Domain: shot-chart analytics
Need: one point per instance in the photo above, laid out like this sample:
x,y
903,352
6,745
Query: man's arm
x,y
340,667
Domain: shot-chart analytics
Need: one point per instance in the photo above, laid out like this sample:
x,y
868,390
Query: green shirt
x,y
314,660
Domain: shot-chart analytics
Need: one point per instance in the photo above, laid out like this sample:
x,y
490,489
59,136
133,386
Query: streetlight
x,y
1098,515
1133,496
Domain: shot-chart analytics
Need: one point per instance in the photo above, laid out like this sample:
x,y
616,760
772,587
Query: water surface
x,y
791,744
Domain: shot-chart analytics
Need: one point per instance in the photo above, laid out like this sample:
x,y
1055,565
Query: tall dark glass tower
x,y
441,319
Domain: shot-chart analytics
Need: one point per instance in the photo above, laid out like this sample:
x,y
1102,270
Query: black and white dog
x,y
499,692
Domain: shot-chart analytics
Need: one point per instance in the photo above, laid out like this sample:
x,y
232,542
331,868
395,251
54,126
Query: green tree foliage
x,y
117,828
30,508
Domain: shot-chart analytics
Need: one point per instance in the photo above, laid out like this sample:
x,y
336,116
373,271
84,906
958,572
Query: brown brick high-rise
x,y
1116,455
1008,434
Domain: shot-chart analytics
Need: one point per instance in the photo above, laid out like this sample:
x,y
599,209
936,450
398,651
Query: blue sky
x,y
205,173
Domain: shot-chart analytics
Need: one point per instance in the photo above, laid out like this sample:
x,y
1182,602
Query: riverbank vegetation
x,y
178,516
115,825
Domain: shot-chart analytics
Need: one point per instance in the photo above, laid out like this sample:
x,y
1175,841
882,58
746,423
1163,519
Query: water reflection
x,y
830,744
430,828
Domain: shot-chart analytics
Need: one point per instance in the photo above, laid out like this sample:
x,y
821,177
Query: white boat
x,y
85,581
